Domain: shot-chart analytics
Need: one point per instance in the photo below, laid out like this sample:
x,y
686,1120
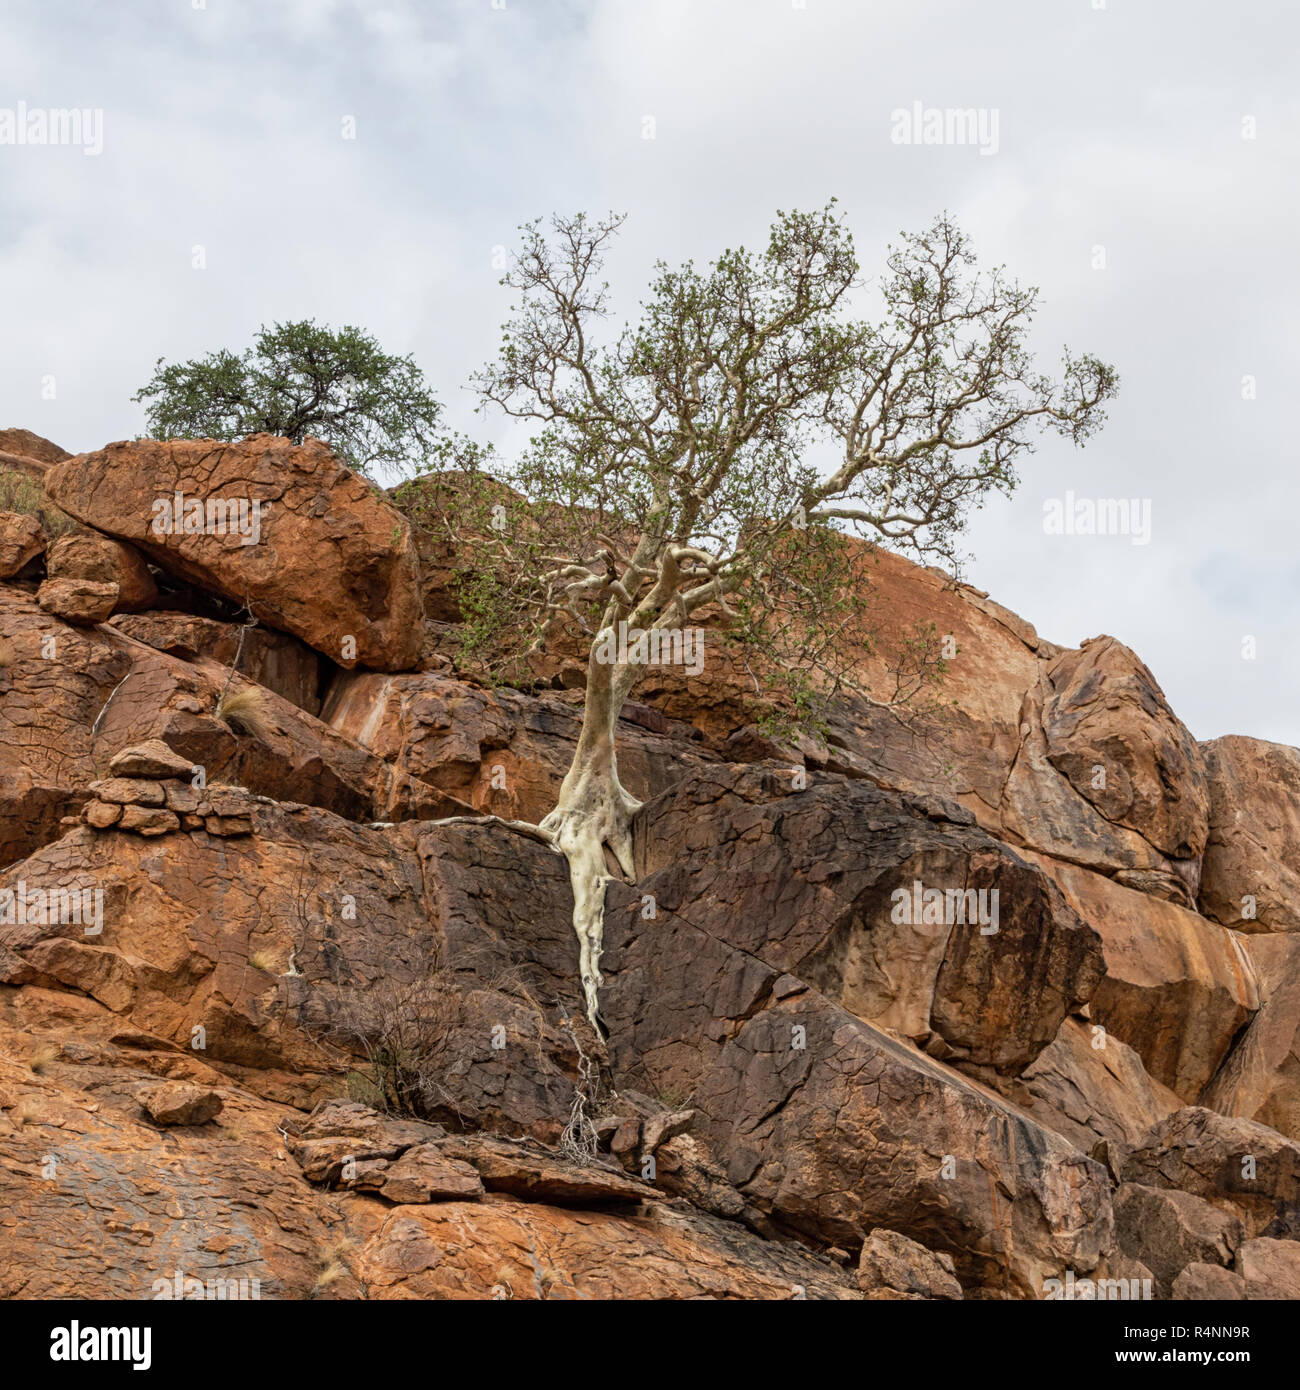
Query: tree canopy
x,y
302,379
714,451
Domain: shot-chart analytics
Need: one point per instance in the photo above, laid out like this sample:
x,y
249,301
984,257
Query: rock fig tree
x,y
705,459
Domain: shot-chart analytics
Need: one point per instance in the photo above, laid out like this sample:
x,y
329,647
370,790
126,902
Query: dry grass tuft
x,y
245,712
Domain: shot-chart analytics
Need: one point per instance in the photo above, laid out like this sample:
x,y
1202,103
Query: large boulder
x,y
920,924
286,528
1111,732
1251,875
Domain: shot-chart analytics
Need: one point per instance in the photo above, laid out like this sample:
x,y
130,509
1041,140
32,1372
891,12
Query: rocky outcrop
x,y
902,911
828,1126
288,530
957,1008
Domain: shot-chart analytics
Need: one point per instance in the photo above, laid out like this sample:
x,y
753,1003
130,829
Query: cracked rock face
x,y
928,1013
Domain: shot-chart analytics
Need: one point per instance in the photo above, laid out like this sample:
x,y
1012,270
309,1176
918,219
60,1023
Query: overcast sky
x,y
1124,128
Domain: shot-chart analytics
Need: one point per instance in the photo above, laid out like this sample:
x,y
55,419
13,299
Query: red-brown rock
x,y
88,556
21,541
82,602
1251,877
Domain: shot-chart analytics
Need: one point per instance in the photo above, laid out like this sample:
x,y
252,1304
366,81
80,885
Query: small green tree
x,y
673,472
301,379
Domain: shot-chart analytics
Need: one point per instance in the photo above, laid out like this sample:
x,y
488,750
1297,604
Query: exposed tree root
x,y
522,827
594,811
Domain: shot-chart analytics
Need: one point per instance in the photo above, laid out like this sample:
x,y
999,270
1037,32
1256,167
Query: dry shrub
x,y
405,1032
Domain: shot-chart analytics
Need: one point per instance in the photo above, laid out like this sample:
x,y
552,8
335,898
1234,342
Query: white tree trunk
x,y
594,810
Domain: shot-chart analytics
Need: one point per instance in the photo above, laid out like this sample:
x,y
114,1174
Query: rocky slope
x,y
263,1019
